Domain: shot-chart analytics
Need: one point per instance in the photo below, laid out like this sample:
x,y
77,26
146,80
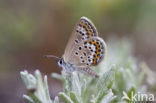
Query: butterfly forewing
x,y
84,30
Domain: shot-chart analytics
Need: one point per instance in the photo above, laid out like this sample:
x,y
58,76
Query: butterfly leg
x,y
89,71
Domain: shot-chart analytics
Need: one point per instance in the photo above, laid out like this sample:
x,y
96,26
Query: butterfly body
x,y
84,49
66,66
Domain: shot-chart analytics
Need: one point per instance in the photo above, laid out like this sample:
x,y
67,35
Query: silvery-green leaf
x,y
65,98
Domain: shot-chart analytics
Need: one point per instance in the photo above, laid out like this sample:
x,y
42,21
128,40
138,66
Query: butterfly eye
x,y
60,62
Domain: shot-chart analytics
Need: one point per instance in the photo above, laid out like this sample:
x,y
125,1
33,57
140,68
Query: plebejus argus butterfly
x,y
84,49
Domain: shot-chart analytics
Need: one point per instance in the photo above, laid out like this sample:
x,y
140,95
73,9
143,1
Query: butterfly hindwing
x,y
88,53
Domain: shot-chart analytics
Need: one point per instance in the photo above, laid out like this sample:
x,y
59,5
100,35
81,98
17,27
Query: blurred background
x,y
30,29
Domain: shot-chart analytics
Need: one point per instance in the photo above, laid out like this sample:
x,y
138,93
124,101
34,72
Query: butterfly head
x,y
61,62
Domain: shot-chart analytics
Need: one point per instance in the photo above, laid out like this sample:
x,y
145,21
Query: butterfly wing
x,y
88,53
84,29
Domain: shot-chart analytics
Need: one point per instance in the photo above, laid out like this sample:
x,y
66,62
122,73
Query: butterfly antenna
x,y
51,56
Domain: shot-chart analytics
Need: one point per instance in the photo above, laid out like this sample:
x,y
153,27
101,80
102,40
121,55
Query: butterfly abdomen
x,y
90,72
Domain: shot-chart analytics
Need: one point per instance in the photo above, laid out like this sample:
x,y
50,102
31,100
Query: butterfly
x,y
84,49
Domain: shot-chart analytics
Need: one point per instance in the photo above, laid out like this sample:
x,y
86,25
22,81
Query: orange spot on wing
x,y
90,35
92,42
97,46
96,56
87,28
94,61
